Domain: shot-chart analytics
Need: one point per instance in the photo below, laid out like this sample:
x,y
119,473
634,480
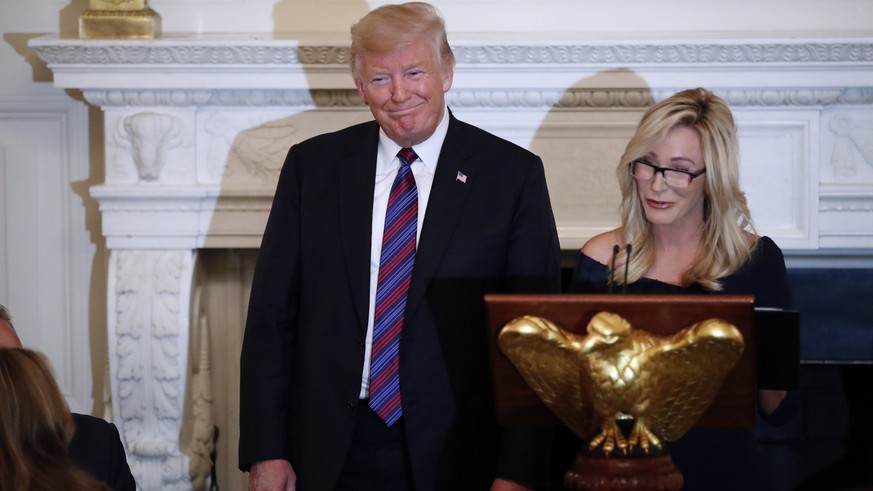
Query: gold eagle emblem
x,y
614,372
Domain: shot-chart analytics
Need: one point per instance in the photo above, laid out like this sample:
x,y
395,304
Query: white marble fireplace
x,y
196,128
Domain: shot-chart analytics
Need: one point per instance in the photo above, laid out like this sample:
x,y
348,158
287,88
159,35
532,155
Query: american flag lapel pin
x,y
461,177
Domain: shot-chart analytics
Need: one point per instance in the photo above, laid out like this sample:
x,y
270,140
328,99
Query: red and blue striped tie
x,y
395,273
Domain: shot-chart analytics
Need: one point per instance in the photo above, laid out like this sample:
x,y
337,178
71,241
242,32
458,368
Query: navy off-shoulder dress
x,y
713,459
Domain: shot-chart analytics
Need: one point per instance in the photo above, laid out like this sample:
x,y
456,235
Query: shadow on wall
x,y
582,123
18,41
69,18
288,14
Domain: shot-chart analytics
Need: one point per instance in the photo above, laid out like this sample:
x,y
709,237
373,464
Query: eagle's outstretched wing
x,y
688,373
548,360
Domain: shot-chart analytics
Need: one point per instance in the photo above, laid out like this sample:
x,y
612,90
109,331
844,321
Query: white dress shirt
x,y
387,165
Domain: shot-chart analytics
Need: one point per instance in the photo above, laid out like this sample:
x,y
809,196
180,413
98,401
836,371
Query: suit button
x,y
350,405
361,344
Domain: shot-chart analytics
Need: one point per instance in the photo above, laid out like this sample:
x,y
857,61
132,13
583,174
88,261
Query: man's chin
x,y
406,137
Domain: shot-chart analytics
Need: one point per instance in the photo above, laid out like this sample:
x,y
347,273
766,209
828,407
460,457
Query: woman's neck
x,y
683,234
676,251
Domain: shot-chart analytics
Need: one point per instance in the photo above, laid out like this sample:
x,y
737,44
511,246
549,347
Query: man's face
x,y
405,90
8,338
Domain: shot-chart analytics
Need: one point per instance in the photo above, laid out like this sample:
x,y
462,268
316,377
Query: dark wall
x,y
836,313
829,442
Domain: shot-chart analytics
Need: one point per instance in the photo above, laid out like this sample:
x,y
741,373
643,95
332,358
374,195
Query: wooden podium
x,y
662,315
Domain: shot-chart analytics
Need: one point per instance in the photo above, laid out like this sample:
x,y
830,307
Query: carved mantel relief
x,y
149,304
853,145
149,137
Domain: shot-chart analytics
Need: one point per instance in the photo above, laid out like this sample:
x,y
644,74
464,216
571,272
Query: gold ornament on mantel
x,y
660,385
119,19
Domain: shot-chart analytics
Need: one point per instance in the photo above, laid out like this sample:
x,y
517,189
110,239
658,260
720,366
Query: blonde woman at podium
x,y
686,229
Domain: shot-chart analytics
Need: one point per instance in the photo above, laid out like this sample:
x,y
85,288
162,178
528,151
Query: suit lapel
x,y
356,184
445,204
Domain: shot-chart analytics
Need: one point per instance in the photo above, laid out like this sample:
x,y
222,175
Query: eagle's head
x,y
606,330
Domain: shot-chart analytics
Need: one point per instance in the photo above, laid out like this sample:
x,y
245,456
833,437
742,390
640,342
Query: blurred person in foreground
x,y
36,428
686,219
344,386
95,445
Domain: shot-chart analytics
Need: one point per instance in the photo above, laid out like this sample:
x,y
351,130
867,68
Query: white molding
x,y
267,49
508,98
264,61
847,198
780,173
45,234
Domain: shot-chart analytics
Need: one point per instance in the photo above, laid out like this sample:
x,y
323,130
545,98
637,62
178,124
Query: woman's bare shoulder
x,y
600,246
751,238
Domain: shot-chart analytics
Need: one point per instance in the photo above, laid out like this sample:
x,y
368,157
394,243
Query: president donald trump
x,y
364,361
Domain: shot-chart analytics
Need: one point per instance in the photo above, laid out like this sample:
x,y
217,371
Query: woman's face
x,y
674,206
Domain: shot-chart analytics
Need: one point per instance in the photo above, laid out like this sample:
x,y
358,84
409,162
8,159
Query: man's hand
x,y
272,475
507,485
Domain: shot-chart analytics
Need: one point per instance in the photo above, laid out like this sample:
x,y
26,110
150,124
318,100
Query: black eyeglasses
x,y
643,170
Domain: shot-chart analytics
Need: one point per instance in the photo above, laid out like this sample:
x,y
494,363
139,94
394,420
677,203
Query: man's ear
x,y
448,76
360,86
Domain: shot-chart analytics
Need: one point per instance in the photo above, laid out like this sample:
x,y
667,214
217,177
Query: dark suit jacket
x,y
96,447
303,349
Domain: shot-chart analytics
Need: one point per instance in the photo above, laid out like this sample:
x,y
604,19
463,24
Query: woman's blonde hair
x,y
726,219
35,428
389,27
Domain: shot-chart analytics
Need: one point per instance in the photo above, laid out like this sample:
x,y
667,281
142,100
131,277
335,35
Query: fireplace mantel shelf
x,y
269,62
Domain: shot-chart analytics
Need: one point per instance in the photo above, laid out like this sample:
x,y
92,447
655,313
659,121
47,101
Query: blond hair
x,y
35,428
725,245
389,27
